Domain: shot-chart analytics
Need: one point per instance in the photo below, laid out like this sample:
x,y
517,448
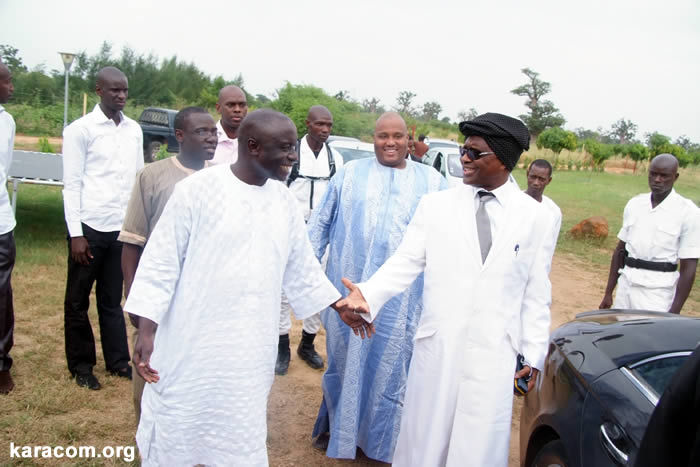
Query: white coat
x,y
476,318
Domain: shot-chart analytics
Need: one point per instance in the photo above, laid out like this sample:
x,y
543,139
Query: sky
x,y
605,59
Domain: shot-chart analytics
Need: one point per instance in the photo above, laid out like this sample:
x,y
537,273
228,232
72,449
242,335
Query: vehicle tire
x,y
149,154
551,454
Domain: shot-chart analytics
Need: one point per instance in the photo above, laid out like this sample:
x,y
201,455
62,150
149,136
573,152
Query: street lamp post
x,y
67,62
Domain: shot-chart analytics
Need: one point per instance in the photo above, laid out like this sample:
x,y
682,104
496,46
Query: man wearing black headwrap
x,y
486,298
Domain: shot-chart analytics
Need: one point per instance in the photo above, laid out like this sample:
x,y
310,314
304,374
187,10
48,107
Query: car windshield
x,y
454,166
350,154
657,373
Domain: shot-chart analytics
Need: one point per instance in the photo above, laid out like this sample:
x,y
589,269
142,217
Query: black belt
x,y
650,265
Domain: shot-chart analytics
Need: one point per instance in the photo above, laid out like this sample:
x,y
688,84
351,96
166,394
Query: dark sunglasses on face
x,y
472,154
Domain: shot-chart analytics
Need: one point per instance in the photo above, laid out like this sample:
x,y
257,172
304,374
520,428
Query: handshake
x,y
350,309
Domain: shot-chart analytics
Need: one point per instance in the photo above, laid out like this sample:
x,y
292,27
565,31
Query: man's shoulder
x,y
639,199
454,194
157,169
7,116
549,203
685,203
425,170
79,124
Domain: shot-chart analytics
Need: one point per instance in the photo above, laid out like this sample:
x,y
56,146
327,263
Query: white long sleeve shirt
x,y
7,142
100,161
310,192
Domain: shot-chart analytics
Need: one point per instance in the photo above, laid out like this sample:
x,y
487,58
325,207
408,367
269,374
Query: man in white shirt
x,y
539,175
102,152
486,298
7,239
655,260
308,182
229,240
233,107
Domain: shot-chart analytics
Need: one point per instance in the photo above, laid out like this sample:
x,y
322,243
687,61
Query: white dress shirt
x,y
310,192
666,233
100,161
226,148
495,208
7,142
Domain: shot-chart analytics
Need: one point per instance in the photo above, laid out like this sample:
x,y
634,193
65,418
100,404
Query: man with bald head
x,y
7,239
308,180
233,107
654,263
229,240
361,220
102,152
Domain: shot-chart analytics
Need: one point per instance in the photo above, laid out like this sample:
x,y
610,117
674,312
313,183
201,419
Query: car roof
x,y
336,138
612,339
351,144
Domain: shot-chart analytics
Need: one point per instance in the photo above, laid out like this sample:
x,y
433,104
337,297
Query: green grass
x,y
47,408
583,194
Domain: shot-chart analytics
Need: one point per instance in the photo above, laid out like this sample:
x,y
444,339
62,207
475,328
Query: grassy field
x,y
47,408
583,194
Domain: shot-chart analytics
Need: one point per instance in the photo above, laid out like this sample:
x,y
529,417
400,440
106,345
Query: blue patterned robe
x,y
363,217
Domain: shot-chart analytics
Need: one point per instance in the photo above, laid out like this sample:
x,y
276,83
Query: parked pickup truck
x,y
158,126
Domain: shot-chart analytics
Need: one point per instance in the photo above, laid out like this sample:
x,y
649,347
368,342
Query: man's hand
x,y
349,309
80,250
144,349
355,302
606,303
134,320
359,325
526,371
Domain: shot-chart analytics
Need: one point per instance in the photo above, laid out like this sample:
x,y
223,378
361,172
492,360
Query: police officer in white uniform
x,y
655,260
308,181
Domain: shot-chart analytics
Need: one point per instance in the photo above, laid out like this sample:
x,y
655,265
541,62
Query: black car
x,y
603,375
158,127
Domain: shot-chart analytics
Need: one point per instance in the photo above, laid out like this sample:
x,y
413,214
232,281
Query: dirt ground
x,y
295,397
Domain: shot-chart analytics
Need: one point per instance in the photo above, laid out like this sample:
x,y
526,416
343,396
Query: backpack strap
x,y
294,173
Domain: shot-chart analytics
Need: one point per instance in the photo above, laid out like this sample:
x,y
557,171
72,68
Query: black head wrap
x,y
507,136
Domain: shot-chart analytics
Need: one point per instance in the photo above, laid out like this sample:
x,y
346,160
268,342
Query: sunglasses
x,y
473,154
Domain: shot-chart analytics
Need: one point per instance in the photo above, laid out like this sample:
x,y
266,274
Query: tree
x,y
464,115
10,56
543,114
404,103
371,105
684,142
557,139
635,151
623,131
262,99
599,152
656,143
431,111
342,95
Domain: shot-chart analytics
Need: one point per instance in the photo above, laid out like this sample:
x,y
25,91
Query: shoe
x,y
307,352
87,380
283,355
321,442
6,383
122,372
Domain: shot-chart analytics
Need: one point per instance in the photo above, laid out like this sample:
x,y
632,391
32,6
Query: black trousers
x,y
7,312
105,269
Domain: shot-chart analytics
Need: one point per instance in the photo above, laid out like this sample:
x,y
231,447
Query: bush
x,y
45,146
599,152
162,153
557,139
